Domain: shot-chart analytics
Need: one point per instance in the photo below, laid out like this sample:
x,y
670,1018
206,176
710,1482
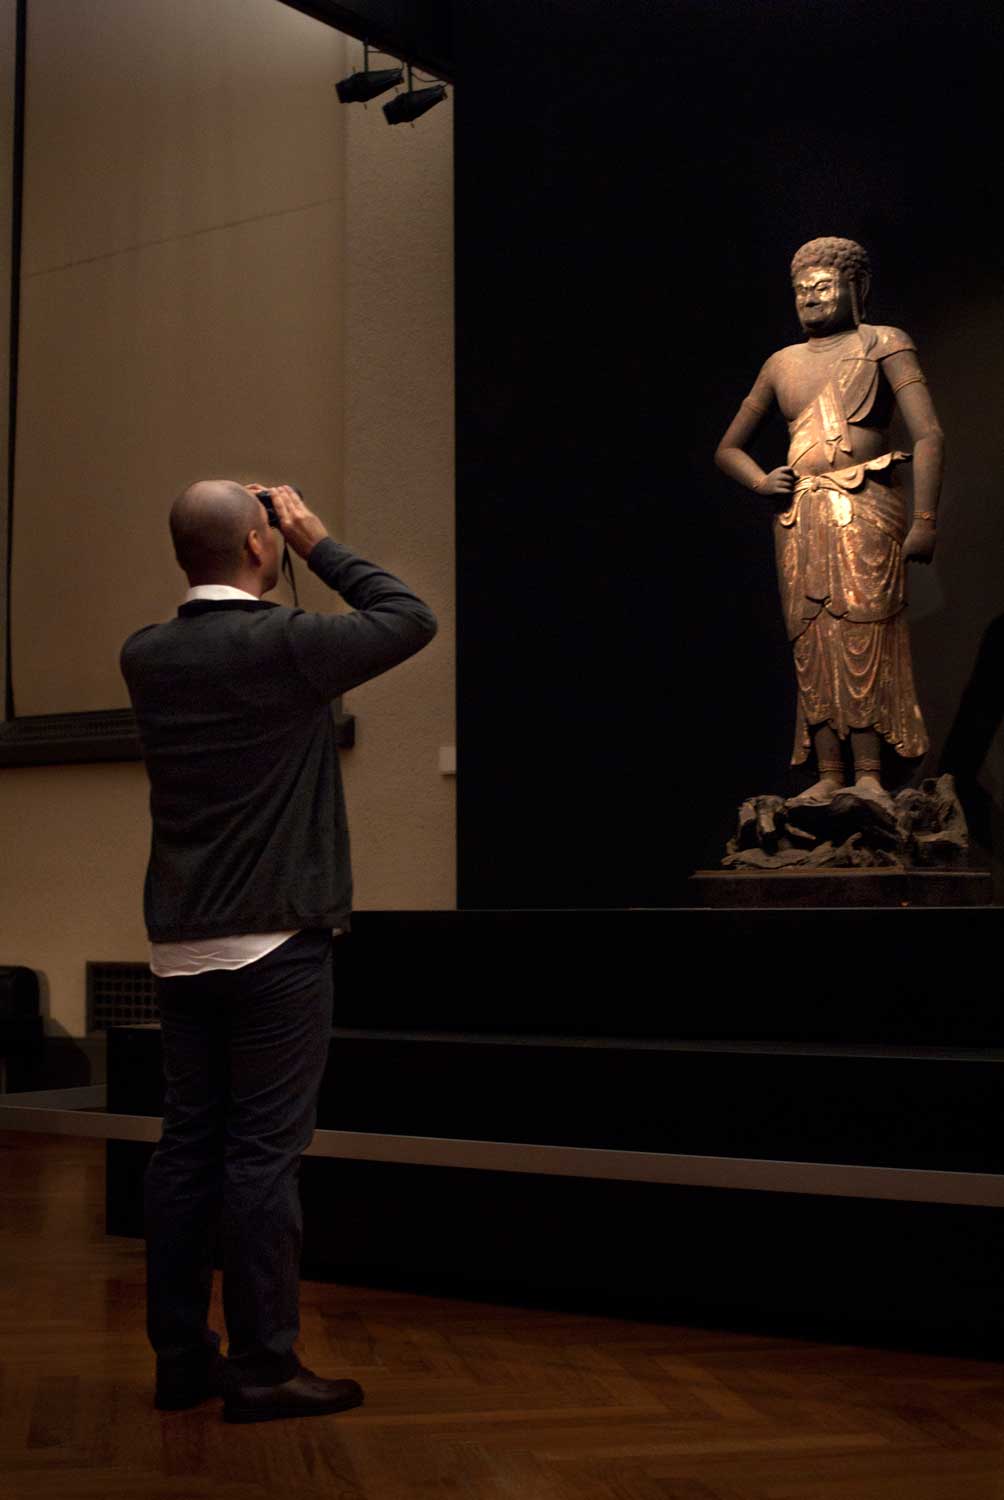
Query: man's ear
x,y
255,547
860,287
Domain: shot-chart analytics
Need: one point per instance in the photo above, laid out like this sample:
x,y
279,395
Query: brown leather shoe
x,y
306,1395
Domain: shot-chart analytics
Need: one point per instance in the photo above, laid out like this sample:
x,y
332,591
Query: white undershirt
x,y
171,960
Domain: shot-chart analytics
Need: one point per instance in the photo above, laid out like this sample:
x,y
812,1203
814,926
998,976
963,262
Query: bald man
x,y
248,878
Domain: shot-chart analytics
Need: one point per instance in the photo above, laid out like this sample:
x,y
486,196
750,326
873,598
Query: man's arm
x,y
388,624
906,380
731,456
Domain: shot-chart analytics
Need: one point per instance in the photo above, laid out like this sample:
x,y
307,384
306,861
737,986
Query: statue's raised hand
x,y
778,482
920,542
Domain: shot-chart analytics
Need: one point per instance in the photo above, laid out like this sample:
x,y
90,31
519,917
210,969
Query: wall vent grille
x,y
120,994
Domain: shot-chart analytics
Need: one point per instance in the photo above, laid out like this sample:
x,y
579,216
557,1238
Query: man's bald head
x,y
210,521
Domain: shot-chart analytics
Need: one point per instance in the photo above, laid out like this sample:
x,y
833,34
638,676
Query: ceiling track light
x,y
360,87
405,108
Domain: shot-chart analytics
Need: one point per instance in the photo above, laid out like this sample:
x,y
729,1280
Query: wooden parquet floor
x,y
464,1401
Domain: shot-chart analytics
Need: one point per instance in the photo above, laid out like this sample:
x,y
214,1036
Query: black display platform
x,y
822,889
855,1037
919,1109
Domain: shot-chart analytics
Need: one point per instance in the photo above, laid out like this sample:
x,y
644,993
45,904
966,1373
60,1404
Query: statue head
x,y
831,278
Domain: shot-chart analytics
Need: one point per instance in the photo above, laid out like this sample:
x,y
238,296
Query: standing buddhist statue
x,y
841,530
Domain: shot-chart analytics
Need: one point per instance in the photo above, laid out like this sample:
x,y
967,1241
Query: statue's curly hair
x,y
846,256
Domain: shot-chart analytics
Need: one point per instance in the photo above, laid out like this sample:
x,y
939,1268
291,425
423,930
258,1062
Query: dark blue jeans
x,y
244,1054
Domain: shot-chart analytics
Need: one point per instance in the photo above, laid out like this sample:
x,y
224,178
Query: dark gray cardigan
x,y
232,699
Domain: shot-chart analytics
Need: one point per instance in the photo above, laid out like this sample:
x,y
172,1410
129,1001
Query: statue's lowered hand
x,y
920,542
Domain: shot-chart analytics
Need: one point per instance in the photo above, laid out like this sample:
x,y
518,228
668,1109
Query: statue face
x,y
823,300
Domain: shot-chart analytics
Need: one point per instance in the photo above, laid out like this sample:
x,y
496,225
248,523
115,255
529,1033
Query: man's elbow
x,y
426,623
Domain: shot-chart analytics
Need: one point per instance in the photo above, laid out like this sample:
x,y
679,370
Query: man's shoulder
x,y
136,641
211,614
205,624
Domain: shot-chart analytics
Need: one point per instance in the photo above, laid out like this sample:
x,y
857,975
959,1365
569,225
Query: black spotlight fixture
x,y
359,87
406,107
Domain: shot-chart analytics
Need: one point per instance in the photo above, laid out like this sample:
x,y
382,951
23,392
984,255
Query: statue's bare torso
x,y
795,376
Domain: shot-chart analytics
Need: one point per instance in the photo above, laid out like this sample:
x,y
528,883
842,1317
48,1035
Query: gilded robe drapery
x,y
840,569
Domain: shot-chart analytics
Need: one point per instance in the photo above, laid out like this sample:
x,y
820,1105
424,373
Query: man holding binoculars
x,y
248,878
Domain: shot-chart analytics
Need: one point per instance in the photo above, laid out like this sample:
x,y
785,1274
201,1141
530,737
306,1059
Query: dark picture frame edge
x,y
102,735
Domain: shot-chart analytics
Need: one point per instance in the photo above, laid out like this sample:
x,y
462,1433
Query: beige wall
x,y
399,506
181,306
7,42
216,288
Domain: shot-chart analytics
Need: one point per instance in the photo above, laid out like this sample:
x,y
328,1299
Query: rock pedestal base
x,y
853,828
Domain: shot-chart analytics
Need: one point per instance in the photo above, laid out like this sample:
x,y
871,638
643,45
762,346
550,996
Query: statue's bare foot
x,y
867,789
819,794
871,789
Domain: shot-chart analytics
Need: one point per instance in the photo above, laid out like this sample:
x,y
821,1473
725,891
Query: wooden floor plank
x,y
465,1401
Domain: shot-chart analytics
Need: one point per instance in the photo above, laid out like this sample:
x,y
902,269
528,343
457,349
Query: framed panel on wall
x,y
178,260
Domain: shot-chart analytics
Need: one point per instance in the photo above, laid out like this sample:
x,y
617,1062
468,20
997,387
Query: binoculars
x,y
265,496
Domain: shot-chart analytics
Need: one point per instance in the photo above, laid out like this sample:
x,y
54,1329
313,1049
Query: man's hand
x,y
299,526
778,482
920,542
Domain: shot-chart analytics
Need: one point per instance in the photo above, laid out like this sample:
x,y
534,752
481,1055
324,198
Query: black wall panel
x,y
632,180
